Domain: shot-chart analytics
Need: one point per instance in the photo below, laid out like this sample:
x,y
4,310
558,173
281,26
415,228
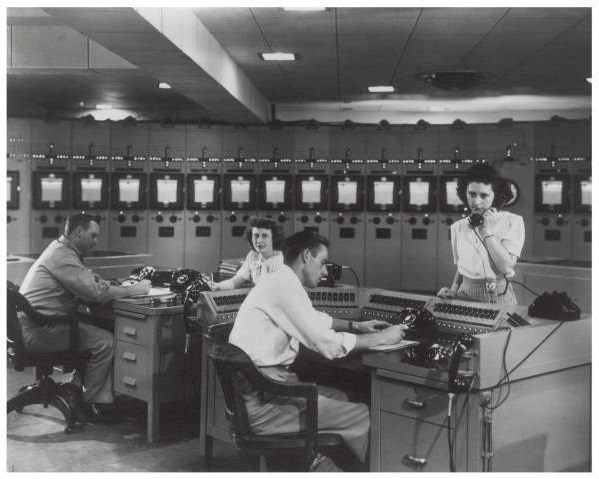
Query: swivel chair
x,y
238,375
65,397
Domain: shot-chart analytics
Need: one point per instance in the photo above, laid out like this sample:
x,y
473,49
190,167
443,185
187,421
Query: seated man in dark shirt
x,y
55,285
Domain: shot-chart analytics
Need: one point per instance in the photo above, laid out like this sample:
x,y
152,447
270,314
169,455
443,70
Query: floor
x,y
36,441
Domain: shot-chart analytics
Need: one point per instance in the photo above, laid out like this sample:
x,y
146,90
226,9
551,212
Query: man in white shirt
x,y
276,317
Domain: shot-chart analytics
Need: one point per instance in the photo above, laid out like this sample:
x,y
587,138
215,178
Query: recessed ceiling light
x,y
164,85
590,80
103,106
304,9
277,56
381,89
81,103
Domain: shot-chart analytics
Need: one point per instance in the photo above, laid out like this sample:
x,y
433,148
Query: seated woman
x,y
265,238
486,252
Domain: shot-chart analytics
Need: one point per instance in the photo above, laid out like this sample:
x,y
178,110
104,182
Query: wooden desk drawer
x,y
132,330
132,373
414,401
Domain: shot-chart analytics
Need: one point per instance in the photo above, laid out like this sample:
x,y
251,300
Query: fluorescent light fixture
x,y
590,80
103,106
381,89
164,85
304,9
278,56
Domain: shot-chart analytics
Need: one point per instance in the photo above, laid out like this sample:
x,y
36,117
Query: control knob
x,y
135,218
376,220
121,218
210,218
159,218
318,219
390,220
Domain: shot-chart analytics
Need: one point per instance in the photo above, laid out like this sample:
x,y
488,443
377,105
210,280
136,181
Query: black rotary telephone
x,y
554,305
456,382
421,323
182,278
156,277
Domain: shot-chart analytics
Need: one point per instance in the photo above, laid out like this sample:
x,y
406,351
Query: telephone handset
x,y
192,294
458,383
475,219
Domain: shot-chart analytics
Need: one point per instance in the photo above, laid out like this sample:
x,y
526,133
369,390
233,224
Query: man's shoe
x,y
98,413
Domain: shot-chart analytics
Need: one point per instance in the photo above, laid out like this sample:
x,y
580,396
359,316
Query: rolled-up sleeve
x,y
513,239
311,327
81,281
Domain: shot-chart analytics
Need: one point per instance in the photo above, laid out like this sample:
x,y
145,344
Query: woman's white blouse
x,y
469,253
255,266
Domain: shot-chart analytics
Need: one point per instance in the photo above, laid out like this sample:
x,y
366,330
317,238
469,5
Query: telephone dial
x,y
421,323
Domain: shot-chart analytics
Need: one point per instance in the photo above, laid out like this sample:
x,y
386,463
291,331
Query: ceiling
x,y
533,61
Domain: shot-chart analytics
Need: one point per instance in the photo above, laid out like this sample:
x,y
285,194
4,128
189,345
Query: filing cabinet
x,y
150,362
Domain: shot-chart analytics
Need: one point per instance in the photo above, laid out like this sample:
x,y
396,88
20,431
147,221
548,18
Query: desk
x,y
149,362
543,426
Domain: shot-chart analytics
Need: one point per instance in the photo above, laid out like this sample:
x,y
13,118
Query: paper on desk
x,y
154,291
392,347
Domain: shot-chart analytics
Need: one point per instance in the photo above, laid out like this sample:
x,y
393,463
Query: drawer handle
x,y
131,382
420,461
415,404
130,331
129,356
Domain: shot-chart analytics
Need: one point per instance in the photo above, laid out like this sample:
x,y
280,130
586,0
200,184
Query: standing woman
x,y
265,238
485,254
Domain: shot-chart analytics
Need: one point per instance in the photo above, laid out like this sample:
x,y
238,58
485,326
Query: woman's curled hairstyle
x,y
486,174
278,238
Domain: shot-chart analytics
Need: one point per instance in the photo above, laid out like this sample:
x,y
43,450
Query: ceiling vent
x,y
452,80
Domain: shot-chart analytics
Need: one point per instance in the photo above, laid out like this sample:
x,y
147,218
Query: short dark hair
x,y
486,174
258,222
74,221
298,242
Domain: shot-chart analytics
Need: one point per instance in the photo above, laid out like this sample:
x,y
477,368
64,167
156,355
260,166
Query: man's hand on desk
x,y
372,326
140,288
393,334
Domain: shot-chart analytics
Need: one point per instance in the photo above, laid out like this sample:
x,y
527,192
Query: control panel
x,y
340,302
466,317
387,305
220,306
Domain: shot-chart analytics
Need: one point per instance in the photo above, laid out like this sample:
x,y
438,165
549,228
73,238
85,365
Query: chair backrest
x,y
236,373
15,302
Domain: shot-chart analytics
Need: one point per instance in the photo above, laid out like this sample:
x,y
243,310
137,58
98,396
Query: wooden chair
x,y
238,375
45,391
